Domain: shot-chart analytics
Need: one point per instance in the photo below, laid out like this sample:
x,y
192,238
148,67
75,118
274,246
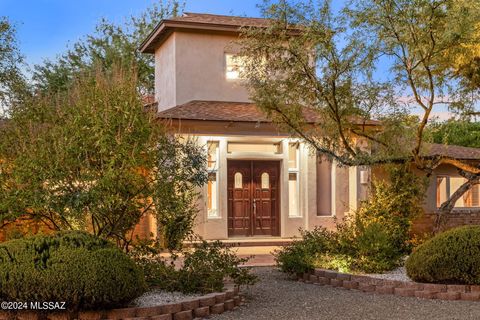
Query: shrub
x,y
450,257
301,255
204,269
84,271
209,264
374,239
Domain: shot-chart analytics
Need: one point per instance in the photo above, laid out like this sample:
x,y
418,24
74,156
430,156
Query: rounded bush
x,y
450,257
82,270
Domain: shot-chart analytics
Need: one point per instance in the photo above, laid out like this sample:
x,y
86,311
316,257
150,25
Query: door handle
x,y
255,208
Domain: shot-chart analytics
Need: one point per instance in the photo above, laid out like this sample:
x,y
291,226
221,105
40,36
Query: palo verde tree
x,y
372,59
91,158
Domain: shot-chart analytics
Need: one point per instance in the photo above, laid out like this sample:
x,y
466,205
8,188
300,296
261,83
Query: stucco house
x,y
262,182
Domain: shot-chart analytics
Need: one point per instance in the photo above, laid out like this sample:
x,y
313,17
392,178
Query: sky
x,y
45,28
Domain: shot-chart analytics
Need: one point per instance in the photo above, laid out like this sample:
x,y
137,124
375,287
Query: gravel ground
x,y
158,297
277,297
398,274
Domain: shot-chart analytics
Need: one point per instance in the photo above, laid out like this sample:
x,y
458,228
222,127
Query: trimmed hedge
x,y
450,257
84,271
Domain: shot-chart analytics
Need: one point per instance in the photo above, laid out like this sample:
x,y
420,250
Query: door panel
x,y
239,200
265,197
253,205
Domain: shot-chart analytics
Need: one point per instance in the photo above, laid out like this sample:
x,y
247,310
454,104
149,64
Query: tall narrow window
x,y
212,184
234,66
293,180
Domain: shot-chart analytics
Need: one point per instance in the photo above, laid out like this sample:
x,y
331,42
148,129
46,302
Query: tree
x,y
12,81
314,59
461,132
91,158
111,44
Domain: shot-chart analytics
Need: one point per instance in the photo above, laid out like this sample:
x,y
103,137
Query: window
x,y
238,180
253,147
212,184
446,187
293,156
265,180
293,180
234,66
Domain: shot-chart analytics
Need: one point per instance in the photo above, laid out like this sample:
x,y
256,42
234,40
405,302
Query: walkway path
x,y
275,297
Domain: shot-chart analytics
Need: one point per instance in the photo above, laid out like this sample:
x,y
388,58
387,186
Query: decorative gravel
x,y
277,297
398,274
159,297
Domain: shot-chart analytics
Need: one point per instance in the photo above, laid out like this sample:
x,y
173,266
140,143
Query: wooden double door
x,y
253,198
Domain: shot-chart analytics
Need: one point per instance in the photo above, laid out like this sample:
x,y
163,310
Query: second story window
x,y
234,66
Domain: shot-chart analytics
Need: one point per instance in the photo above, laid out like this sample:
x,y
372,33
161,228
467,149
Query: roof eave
x,y
161,31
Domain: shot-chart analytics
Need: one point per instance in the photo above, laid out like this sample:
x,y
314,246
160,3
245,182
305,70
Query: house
x,y
262,182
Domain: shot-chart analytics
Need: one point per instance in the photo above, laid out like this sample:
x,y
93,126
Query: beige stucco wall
x,y
191,66
165,84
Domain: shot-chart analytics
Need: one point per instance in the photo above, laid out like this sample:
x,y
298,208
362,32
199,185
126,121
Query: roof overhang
x,y
166,27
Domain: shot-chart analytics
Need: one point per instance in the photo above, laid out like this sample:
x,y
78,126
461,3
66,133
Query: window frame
x,y
449,192
213,213
226,56
296,172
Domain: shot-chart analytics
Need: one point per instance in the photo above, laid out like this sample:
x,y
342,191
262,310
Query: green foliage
x,y
84,271
204,269
12,81
92,159
449,257
374,239
111,44
301,255
456,132
182,168
209,264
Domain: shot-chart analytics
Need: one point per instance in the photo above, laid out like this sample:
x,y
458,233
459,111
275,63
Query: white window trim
x,y
296,171
214,170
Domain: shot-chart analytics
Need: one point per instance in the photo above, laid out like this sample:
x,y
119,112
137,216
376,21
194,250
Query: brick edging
x,y
399,288
196,308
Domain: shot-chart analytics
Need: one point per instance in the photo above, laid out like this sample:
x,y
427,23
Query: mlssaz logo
x,y
47,305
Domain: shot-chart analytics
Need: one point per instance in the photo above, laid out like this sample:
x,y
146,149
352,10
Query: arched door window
x,y
238,180
265,180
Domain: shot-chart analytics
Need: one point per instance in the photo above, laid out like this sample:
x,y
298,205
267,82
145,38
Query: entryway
x,y
253,198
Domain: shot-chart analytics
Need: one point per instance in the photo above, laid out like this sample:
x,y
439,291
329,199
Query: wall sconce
x,y
364,177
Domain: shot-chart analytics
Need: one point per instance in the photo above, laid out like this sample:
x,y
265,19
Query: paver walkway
x,y
275,297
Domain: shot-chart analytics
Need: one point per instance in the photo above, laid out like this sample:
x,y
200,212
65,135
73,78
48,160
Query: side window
x,y
212,183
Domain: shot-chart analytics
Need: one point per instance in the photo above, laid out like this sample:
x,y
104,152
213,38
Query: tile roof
x,y
248,112
201,21
451,151
229,111
234,21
